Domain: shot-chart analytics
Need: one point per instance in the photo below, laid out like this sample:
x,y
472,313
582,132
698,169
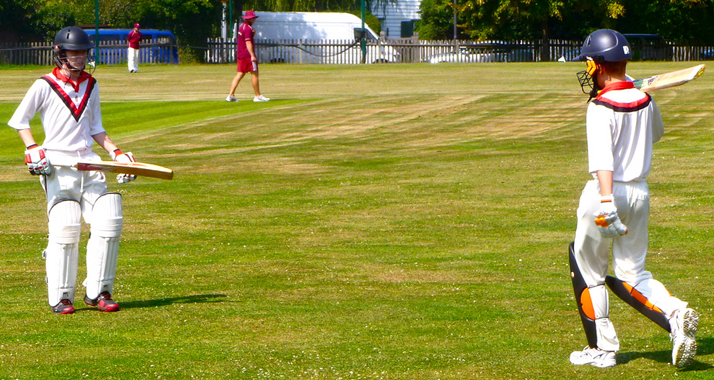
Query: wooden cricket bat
x,y
675,78
135,168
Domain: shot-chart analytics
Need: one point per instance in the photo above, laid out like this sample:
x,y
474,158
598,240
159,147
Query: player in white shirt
x,y
68,103
622,125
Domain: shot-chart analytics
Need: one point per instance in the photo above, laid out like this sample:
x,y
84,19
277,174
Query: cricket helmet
x,y
605,45
75,39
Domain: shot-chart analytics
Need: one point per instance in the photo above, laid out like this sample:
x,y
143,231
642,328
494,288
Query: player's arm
x,y
605,179
117,155
35,158
251,49
601,162
27,138
606,218
105,142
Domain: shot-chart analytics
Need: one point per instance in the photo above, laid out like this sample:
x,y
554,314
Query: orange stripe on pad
x,y
643,300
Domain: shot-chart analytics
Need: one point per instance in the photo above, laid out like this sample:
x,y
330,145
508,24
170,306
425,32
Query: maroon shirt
x,y
134,38
245,33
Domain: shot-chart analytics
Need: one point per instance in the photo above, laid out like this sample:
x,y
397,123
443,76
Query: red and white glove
x,y
37,162
119,156
607,220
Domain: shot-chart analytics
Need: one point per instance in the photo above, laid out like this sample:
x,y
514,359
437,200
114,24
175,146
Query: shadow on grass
x,y
705,346
201,298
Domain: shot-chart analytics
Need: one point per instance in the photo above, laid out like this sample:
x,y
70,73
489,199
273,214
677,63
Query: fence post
x,y
416,57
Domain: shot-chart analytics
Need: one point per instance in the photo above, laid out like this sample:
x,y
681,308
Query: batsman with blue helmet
x,y
623,123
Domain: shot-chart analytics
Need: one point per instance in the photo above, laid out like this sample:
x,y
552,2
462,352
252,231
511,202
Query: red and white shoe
x,y
63,307
104,302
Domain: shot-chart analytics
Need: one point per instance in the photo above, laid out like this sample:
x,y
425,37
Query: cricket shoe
x,y
684,345
593,356
104,302
63,307
231,98
260,98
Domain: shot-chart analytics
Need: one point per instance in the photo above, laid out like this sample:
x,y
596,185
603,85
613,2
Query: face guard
x,y
588,79
75,64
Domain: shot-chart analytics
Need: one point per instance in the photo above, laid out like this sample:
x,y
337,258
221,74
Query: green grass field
x,y
370,222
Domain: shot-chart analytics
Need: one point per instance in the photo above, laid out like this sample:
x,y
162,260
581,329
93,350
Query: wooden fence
x,y
108,52
29,53
409,50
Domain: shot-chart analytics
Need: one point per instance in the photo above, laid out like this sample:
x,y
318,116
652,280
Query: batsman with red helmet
x,y
622,125
67,100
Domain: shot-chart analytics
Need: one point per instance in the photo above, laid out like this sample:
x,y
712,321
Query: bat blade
x,y
675,78
135,168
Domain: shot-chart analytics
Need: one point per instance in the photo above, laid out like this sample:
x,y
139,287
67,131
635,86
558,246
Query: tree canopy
x,y
195,20
676,20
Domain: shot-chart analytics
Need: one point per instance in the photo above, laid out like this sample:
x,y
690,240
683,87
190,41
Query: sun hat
x,y
249,15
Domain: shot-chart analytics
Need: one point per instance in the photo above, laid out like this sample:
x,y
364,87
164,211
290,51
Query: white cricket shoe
x,y
231,98
684,325
593,356
260,98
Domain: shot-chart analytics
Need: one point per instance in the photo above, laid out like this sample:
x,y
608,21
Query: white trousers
x,y
84,187
69,183
133,58
629,252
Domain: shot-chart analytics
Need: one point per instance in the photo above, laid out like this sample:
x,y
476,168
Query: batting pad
x,y
638,301
103,245
594,308
62,253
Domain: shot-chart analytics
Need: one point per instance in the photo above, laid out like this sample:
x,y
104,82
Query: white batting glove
x,y
120,156
607,220
37,162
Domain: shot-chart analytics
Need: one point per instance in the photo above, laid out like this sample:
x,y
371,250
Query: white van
x,y
316,37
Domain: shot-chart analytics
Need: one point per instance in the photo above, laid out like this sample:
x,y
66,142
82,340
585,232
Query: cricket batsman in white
x,y
68,102
622,125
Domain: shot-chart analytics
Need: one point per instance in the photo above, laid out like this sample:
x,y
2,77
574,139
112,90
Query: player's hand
x,y
607,220
120,156
37,162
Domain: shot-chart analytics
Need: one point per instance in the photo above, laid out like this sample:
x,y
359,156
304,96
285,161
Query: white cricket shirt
x,y
70,114
622,125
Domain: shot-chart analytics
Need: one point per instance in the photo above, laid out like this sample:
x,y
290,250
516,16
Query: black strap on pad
x,y
580,287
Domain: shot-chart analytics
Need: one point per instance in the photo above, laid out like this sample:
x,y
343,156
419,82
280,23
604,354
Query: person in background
x,y
133,53
246,58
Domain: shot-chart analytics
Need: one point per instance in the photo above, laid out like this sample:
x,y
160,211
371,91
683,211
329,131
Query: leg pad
x,y
635,299
62,253
103,245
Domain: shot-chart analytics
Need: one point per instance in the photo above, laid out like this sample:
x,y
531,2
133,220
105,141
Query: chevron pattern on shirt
x,y
76,111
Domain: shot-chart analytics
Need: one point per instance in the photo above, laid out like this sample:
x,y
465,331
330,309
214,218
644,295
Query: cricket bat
x,y
135,168
675,78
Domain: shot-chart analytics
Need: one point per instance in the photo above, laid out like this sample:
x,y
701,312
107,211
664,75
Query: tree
x,y
676,20
192,21
437,20
533,18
